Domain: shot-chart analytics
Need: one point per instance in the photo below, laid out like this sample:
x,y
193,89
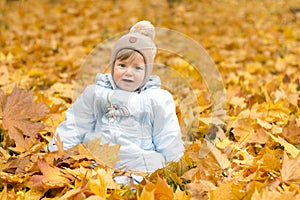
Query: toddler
x,y
127,107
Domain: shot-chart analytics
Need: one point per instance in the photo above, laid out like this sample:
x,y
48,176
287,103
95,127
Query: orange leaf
x,y
52,177
159,191
162,190
148,192
17,117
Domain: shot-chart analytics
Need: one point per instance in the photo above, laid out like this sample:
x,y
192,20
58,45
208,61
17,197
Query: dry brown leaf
x,y
19,113
18,165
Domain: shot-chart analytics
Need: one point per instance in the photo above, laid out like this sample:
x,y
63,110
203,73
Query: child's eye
x,y
122,65
138,68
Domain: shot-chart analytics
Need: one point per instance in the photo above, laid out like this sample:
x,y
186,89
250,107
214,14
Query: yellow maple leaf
x,y
97,185
162,190
105,154
52,177
147,192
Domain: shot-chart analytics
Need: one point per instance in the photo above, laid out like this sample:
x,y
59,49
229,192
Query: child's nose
x,y
129,71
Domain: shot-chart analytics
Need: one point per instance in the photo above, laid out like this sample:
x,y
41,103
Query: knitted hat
x,y
140,38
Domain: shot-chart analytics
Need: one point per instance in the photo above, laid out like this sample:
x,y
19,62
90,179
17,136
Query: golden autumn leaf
x,y
52,177
3,193
162,190
19,116
4,75
227,191
97,185
200,188
292,132
104,154
290,171
95,198
291,149
80,192
147,192
267,194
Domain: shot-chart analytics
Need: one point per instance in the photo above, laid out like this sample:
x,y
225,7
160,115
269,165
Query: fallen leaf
x,y
52,177
104,154
4,75
97,185
2,102
267,194
238,102
264,124
291,149
18,117
200,188
3,193
162,190
290,171
292,132
147,192
227,191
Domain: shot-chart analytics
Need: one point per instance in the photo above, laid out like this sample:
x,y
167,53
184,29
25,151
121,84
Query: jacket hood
x,y
105,80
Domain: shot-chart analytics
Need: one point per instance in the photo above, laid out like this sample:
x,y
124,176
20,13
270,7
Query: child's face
x,y
129,73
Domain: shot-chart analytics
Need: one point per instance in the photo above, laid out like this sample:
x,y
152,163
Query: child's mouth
x,y
127,80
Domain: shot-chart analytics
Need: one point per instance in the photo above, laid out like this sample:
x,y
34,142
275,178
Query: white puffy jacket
x,y
144,123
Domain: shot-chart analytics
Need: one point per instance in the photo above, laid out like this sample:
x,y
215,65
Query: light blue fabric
x,y
143,122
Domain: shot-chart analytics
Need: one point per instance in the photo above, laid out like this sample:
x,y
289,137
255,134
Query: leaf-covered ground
x,y
255,46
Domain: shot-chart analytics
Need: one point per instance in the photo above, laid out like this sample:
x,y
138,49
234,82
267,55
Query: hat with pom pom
x,y
140,38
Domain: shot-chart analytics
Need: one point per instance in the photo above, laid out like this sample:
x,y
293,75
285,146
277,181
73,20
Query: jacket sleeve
x,y
166,130
79,120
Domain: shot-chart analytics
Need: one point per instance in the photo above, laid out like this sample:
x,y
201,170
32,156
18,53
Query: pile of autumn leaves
x,y
255,154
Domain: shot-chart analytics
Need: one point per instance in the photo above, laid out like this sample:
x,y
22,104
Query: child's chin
x,y
128,89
